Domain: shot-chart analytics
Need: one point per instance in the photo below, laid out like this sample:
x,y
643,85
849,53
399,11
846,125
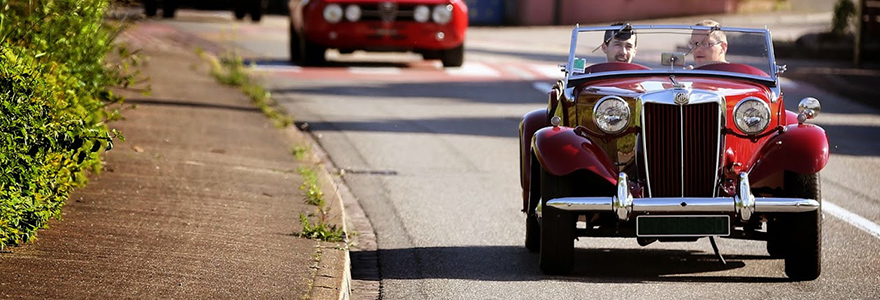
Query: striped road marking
x,y
851,218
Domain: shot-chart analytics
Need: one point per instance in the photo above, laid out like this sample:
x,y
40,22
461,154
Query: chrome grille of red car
x,y
681,147
387,12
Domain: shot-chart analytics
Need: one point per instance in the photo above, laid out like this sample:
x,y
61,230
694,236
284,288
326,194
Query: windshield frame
x,y
772,80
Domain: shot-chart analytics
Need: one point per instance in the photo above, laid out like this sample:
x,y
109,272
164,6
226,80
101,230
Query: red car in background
x,y
433,28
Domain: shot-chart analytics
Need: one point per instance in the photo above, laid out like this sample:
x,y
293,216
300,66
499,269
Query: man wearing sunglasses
x,y
708,46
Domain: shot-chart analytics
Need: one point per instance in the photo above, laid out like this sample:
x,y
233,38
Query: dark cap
x,y
623,34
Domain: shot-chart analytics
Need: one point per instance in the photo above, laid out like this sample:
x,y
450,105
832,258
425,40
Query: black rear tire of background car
x,y
453,57
168,9
803,231
256,10
239,12
295,47
557,228
151,7
313,55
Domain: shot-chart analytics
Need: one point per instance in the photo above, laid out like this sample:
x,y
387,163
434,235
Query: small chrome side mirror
x,y
808,109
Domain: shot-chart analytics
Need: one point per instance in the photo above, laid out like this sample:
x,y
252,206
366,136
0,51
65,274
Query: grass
x,y
229,69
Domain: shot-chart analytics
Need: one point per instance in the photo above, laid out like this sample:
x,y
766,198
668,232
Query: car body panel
x,y
378,35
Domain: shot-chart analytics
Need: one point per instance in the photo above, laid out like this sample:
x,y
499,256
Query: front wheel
x,y
557,228
803,231
295,44
453,57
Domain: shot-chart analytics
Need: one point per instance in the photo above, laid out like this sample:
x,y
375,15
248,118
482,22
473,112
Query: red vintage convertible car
x,y
663,148
433,28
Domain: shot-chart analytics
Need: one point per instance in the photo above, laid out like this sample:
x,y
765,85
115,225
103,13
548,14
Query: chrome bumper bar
x,y
744,204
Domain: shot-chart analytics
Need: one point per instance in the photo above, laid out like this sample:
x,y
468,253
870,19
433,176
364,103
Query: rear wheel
x,y
803,231
557,227
453,57
151,7
256,10
313,55
533,227
168,9
295,46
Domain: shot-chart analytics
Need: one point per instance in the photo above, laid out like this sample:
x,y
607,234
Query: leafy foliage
x,y
54,96
844,13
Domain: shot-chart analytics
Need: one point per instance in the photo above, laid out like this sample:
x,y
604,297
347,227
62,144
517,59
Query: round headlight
x,y
333,13
751,115
422,13
352,13
611,114
442,14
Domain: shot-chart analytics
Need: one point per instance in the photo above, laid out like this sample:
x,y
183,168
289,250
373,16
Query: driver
x,y
708,46
620,45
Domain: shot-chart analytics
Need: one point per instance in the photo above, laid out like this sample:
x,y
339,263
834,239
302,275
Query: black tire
x,y
151,7
239,12
557,228
256,10
295,46
313,55
533,227
803,231
168,9
453,57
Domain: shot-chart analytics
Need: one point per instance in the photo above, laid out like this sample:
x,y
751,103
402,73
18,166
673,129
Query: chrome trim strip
x,y
681,146
641,101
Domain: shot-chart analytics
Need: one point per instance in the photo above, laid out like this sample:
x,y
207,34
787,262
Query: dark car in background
x,y
433,28
240,8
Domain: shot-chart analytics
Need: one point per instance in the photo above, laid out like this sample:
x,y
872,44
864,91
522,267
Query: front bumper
x,y
744,204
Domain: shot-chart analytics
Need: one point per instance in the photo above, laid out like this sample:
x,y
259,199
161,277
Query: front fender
x,y
802,149
561,151
530,123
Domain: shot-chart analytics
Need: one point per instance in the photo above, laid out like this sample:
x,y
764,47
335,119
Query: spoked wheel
x,y
557,228
803,231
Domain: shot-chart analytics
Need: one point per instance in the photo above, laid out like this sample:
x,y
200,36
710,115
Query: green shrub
x,y
55,86
844,14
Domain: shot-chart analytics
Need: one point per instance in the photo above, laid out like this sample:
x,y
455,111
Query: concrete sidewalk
x,y
201,201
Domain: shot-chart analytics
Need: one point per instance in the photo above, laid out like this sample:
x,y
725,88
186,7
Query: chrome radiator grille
x,y
681,148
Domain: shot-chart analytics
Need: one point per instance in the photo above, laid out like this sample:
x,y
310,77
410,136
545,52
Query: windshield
x,y
671,49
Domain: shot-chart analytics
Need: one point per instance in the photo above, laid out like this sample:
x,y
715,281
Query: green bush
x,y
843,17
55,86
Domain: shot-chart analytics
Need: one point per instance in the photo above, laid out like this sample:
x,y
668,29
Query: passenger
x,y
620,45
708,46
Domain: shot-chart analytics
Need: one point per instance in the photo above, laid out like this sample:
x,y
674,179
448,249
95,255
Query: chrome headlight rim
x,y
442,14
333,13
737,117
624,117
422,13
352,12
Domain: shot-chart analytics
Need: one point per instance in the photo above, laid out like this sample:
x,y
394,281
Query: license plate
x,y
670,226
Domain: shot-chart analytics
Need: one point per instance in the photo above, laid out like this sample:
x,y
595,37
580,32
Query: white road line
x,y
473,69
374,71
851,218
542,87
277,68
549,71
523,74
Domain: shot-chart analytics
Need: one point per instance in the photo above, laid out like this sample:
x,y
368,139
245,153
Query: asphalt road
x,y
431,156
